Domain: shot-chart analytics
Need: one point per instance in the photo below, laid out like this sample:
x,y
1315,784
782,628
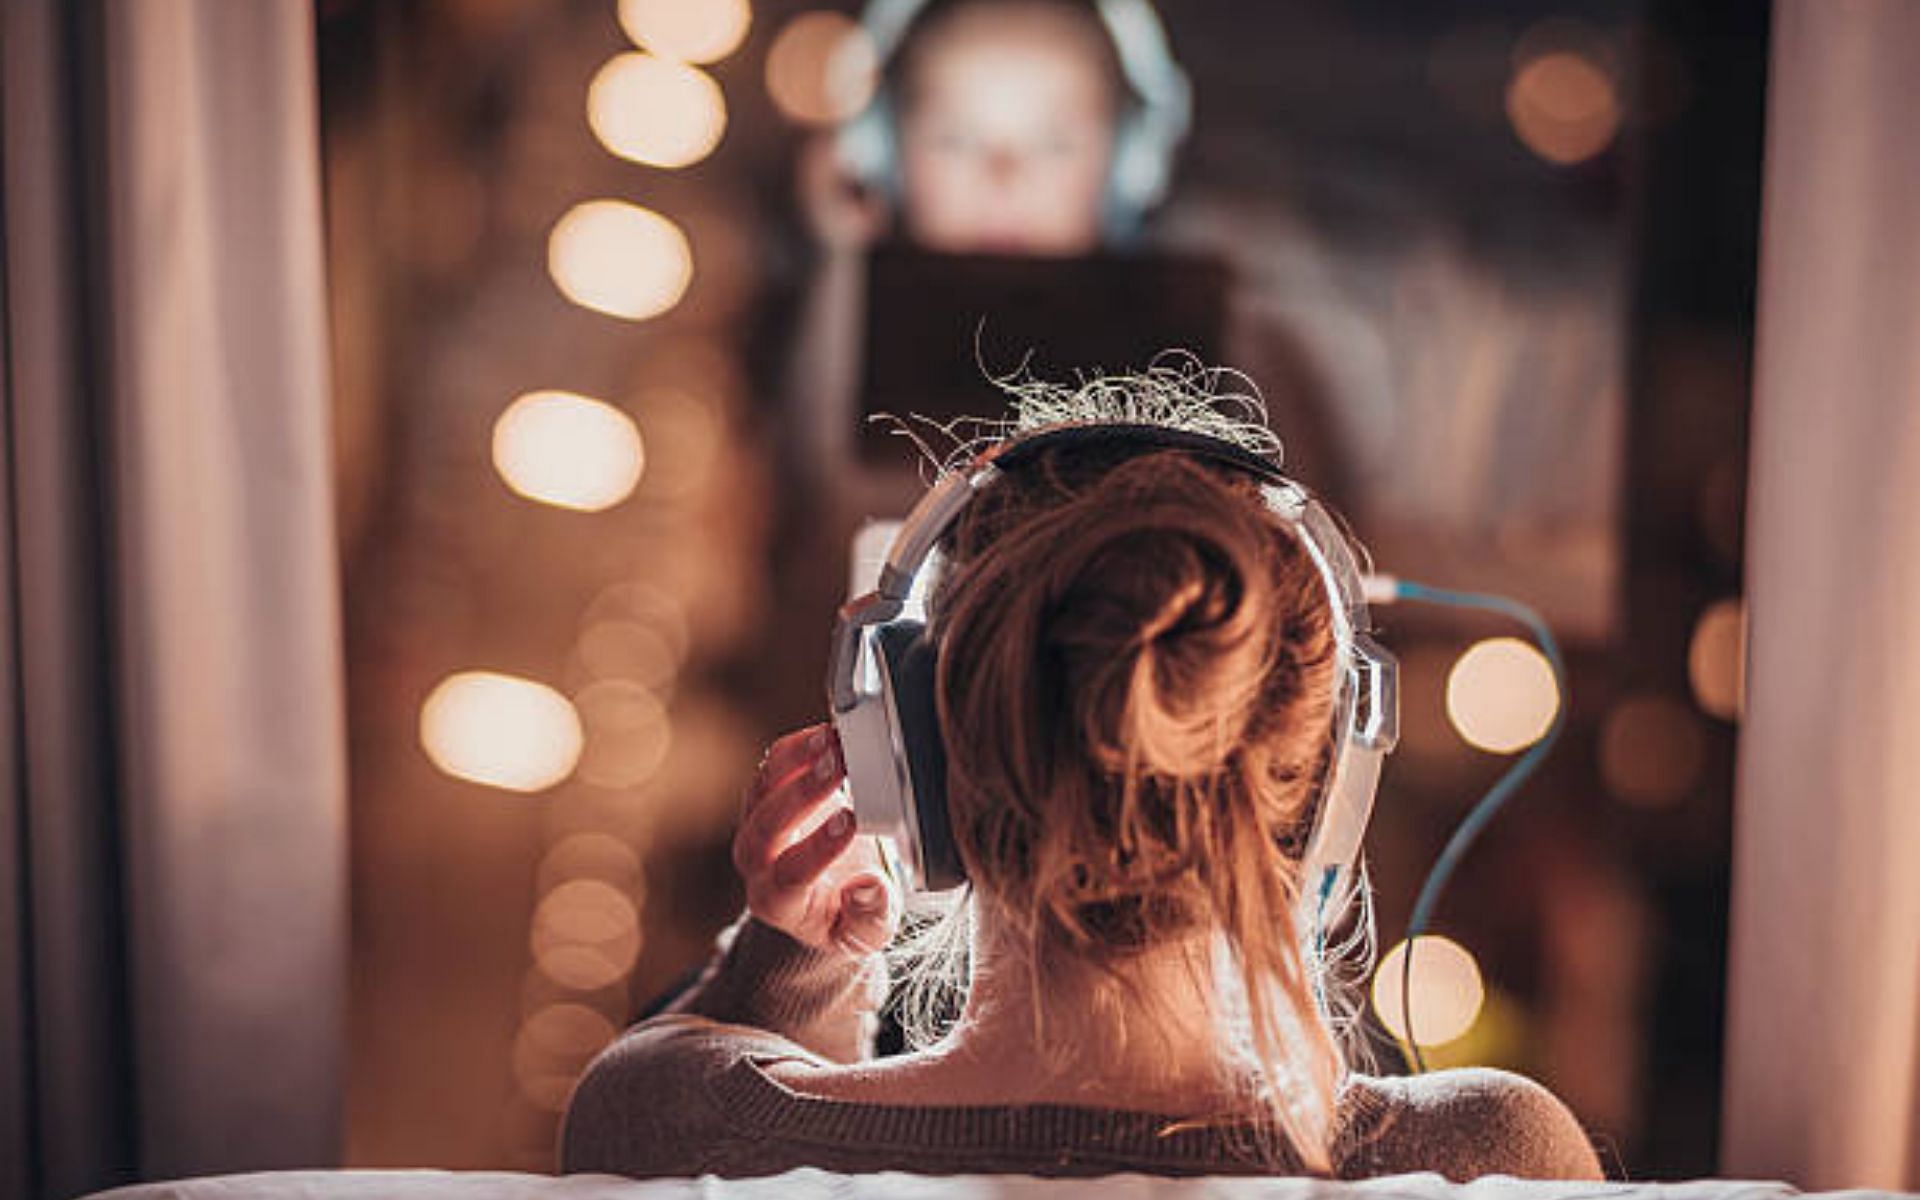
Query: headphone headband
x,y
940,507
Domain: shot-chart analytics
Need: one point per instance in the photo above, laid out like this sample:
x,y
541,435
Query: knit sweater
x,y
689,1093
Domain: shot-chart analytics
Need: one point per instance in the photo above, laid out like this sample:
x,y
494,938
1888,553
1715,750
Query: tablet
x,y
939,326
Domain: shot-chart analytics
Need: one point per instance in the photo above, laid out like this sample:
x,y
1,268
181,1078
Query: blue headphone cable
x,y
1489,806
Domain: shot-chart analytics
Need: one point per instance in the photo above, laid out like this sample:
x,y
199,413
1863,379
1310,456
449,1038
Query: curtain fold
x,y
173,916
231,698
1823,1049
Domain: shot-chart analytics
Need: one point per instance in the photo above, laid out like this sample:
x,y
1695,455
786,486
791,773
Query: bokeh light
x,y
590,854
1563,106
586,934
643,604
551,1049
822,68
568,450
1501,695
1445,996
619,259
538,990
695,31
627,730
1652,750
501,731
626,650
1717,659
655,111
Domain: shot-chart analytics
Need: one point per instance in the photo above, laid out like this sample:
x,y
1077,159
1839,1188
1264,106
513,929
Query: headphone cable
x,y
1489,806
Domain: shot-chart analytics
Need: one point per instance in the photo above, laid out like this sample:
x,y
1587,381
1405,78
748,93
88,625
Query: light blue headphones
x,y
1150,130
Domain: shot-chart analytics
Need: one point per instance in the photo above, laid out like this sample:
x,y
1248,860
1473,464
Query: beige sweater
x,y
687,1093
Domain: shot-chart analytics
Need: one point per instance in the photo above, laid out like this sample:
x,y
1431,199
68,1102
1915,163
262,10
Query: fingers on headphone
x,y
791,752
867,917
804,861
773,812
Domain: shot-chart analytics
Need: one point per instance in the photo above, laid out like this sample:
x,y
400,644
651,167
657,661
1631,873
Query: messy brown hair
x,y
1136,686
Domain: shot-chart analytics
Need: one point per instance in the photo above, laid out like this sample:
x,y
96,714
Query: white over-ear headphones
x,y
1148,135
881,691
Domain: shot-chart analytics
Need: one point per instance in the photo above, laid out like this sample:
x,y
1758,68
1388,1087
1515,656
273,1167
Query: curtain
x,y
172,807
1823,1045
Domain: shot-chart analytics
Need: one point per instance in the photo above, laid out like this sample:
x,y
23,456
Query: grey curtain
x,y
1823,1047
172,810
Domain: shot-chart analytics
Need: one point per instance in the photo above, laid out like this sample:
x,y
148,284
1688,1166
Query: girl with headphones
x,y
1135,739
1022,127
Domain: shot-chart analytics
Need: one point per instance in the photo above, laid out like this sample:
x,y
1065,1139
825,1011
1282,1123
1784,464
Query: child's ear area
x,y
843,211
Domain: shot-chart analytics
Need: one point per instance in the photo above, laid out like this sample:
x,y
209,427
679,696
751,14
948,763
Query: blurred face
x,y
1007,133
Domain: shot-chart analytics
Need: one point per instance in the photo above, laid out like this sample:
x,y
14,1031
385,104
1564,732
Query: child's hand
x,y
811,879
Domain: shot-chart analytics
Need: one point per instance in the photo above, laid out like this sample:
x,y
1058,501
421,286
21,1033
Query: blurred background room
x,y
438,432
1450,236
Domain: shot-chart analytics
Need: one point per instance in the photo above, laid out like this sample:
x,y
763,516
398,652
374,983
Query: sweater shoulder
x,y
646,1106
1464,1124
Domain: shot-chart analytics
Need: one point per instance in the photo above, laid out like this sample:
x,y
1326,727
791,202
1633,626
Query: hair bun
x,y
1165,624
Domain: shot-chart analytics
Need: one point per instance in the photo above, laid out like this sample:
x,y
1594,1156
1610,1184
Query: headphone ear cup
x,y
869,150
1135,176
909,661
